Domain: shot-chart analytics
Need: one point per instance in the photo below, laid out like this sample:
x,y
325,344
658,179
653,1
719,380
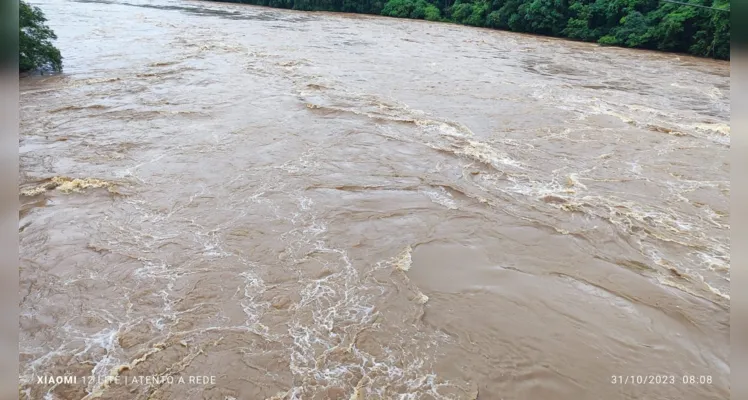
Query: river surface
x,y
331,206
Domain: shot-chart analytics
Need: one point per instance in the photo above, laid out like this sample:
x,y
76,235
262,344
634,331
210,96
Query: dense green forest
x,y
647,24
35,48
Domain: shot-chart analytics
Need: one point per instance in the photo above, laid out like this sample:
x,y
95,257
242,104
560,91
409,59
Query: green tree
x,y
415,9
398,8
547,17
717,32
470,12
672,27
632,32
432,13
35,41
506,15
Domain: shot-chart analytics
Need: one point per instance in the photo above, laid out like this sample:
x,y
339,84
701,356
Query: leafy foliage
x,y
34,41
647,24
470,13
416,9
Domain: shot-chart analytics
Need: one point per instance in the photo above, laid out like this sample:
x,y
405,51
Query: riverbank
x,y
654,25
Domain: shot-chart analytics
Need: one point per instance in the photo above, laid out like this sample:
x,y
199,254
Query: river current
x,y
333,206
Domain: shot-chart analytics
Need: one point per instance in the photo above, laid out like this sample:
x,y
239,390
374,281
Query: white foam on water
x,y
404,260
305,203
537,189
573,181
716,291
41,361
452,129
714,263
332,310
253,307
441,196
718,128
487,154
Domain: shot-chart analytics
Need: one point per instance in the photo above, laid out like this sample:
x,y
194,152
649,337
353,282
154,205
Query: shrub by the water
x,y
36,51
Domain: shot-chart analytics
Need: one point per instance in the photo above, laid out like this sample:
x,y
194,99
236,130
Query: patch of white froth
x,y
715,290
636,169
334,301
448,138
441,196
305,203
333,310
168,276
306,162
156,270
714,263
456,138
487,154
421,298
713,217
434,132
687,275
211,244
32,367
50,396
253,308
443,128
715,94
573,181
404,260
537,189
106,339
719,128
687,289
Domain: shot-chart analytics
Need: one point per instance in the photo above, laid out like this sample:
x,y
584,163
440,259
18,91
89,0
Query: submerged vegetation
x,y
36,51
700,27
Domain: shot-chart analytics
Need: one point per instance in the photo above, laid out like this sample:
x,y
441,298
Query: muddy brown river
x,y
329,206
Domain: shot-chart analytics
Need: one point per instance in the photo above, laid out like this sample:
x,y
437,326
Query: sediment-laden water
x,y
322,206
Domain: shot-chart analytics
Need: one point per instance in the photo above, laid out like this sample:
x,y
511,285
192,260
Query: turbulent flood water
x,y
321,206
